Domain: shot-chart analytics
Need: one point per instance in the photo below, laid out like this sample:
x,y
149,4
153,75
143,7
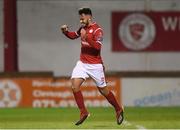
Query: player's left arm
x,y
96,39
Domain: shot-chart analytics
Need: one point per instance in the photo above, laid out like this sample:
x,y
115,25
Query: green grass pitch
x,y
101,118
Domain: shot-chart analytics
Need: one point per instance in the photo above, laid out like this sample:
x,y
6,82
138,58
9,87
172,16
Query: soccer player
x,y
90,63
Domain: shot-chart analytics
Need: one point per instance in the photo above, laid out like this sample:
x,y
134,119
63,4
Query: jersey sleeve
x,y
96,40
98,35
73,35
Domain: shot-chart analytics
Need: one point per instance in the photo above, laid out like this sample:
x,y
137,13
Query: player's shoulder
x,y
97,27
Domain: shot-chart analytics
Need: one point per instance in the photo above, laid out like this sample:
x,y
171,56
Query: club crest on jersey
x,y
91,30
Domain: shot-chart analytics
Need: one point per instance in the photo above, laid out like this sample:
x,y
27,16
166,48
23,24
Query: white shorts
x,y
95,71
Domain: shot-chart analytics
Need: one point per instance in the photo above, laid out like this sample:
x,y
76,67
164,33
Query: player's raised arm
x,y
71,35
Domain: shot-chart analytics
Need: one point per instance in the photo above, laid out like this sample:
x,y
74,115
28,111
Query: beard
x,y
84,22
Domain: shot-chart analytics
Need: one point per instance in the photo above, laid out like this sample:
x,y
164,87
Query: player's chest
x,y
88,31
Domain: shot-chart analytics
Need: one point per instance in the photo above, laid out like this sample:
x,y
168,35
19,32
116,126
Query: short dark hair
x,y
85,11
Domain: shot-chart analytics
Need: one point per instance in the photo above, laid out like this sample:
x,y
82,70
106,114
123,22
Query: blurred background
x,y
144,57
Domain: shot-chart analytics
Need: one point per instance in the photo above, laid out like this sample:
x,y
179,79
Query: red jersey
x,y
91,44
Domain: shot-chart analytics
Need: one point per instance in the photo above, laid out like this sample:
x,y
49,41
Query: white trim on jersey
x,y
99,42
93,23
76,34
97,30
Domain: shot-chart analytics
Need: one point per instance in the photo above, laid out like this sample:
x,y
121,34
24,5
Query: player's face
x,y
84,19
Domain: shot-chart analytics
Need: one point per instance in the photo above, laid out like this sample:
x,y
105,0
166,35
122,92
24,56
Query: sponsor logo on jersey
x,y
99,37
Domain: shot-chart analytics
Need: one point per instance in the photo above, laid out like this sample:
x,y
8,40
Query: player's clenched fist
x,y
64,28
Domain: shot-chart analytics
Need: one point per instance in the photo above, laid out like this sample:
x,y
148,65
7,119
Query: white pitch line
x,y
125,122
63,129
139,127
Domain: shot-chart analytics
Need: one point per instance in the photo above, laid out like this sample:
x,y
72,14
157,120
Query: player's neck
x,y
90,23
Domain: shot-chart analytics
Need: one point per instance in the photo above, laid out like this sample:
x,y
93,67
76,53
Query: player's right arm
x,y
71,35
